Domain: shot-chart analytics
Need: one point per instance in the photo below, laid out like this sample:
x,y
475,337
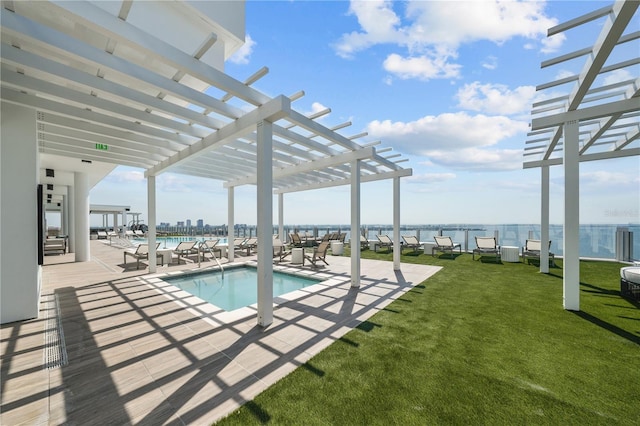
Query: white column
x,y
124,221
81,226
64,217
115,222
20,274
281,217
544,220
264,191
231,224
355,223
71,218
151,223
396,224
571,263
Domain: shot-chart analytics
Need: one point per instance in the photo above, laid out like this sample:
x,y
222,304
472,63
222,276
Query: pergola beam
x,y
341,182
273,110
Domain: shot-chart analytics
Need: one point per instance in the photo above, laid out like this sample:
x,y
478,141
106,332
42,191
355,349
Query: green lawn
x,y
478,343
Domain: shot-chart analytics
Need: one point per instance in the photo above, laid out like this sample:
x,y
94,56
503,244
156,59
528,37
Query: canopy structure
x,y
142,84
593,114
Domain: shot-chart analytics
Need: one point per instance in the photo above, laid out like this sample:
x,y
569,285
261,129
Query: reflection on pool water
x,y
238,288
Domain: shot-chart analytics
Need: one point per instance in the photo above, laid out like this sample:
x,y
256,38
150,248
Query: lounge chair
x,y
532,249
209,246
412,242
280,252
296,241
102,235
384,241
141,253
55,245
445,244
129,234
138,233
185,249
319,253
249,244
364,242
486,245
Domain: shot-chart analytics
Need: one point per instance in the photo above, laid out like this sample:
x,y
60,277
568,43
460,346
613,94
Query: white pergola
x,y
113,83
585,117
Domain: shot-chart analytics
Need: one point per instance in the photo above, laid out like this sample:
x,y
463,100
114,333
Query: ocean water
x,y
596,241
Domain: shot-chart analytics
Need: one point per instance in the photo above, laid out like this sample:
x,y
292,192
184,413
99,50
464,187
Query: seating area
x,y
486,246
532,249
445,244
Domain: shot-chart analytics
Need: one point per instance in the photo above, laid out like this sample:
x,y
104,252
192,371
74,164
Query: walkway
x,y
133,354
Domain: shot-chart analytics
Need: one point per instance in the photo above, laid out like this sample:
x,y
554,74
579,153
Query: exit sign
x,y
102,147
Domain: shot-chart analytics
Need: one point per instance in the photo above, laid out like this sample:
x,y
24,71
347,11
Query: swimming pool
x,y
238,288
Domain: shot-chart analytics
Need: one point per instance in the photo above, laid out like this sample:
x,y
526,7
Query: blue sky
x,y
448,84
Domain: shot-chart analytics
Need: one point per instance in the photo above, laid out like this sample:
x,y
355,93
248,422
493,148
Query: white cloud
x,y
490,63
420,67
124,175
242,55
434,30
430,178
479,159
449,131
495,98
617,76
607,179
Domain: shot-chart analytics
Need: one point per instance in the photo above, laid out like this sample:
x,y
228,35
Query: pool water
x,y
238,288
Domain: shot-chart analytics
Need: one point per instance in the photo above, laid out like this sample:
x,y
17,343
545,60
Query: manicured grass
x,y
478,343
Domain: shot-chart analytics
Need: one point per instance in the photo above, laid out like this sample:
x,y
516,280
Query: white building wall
x,y
20,274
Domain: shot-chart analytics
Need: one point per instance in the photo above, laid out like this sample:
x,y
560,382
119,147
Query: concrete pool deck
x,y
112,345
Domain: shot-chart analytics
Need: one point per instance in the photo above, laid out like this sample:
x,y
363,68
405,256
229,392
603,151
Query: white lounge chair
x,y
411,242
185,249
532,249
384,241
102,235
141,253
138,233
486,245
445,244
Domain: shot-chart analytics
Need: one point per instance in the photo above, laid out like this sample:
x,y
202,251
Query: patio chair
x,y
138,233
185,249
129,234
141,253
412,242
319,253
296,241
280,251
102,235
209,246
249,244
364,242
486,245
532,249
384,241
445,244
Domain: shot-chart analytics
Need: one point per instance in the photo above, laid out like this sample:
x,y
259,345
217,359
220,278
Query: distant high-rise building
x,y
181,223
200,223
188,223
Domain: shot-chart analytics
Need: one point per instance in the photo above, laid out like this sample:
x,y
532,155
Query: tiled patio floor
x,y
138,353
